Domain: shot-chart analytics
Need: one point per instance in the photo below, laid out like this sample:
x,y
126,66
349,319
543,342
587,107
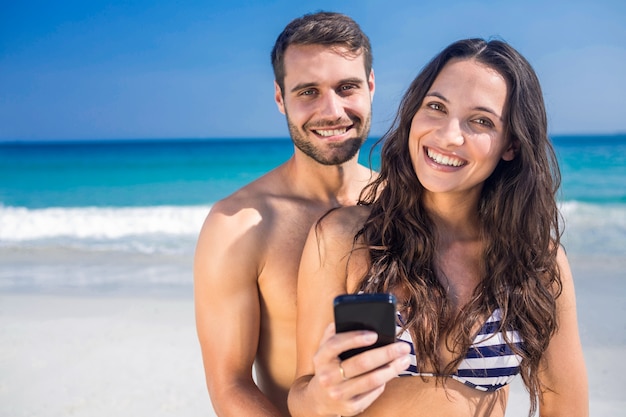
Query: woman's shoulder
x,y
342,223
345,220
335,235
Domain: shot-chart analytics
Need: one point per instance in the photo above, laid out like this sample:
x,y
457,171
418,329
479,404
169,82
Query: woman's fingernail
x,y
406,361
370,337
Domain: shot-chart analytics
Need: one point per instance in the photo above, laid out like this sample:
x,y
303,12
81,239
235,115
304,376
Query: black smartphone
x,y
376,312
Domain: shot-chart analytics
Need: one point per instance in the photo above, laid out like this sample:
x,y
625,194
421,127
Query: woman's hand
x,y
347,387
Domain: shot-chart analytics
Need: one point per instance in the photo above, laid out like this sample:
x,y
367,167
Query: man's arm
x,y
227,310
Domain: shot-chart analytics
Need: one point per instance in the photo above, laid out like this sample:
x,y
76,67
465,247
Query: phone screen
x,y
376,312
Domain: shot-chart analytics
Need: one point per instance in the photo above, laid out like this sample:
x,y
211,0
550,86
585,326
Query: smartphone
x,y
376,312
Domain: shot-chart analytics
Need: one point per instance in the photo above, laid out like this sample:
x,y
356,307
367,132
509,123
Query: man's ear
x,y
278,98
511,151
372,84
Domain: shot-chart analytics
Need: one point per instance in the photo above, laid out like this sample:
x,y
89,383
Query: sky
x,y
201,69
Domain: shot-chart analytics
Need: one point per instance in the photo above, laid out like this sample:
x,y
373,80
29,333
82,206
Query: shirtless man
x,y
249,248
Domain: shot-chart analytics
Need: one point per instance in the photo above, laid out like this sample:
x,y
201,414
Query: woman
x,y
462,226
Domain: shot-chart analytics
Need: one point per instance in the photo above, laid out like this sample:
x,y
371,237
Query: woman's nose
x,y
451,133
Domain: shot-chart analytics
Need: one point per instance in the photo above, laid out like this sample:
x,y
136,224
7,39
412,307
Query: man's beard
x,y
335,153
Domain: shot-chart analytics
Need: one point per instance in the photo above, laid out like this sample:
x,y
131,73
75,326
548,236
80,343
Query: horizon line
x,y
236,138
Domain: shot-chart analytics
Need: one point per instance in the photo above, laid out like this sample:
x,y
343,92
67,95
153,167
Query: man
x,y
248,252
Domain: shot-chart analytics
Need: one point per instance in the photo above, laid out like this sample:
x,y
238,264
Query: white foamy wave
x,y
18,223
594,229
594,214
589,228
136,229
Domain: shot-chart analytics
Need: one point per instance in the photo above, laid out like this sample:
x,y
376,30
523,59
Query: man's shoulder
x,y
247,206
242,199
255,195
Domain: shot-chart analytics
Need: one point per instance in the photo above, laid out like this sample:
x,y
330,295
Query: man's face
x,y
327,100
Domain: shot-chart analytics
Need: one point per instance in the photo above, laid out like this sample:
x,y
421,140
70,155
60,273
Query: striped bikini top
x,y
489,364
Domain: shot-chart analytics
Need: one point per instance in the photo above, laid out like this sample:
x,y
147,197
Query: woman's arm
x,y
324,385
564,376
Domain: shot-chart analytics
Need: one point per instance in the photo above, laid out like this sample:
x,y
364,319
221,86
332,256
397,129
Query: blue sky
x,y
200,69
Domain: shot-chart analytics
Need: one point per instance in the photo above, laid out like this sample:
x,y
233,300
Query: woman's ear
x,y
510,152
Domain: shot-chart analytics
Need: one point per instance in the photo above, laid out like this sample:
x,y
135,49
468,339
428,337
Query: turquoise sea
x,y
124,215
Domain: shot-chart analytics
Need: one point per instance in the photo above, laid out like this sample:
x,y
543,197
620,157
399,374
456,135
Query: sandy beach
x,y
89,355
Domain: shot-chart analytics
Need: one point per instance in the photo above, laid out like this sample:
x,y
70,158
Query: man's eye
x,y
346,89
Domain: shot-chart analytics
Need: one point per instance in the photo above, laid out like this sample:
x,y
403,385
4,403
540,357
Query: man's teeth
x,y
444,160
331,132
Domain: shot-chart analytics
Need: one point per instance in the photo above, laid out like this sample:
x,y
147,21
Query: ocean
x,y
123,216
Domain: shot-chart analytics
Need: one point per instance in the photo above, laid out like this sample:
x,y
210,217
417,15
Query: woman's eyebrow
x,y
480,108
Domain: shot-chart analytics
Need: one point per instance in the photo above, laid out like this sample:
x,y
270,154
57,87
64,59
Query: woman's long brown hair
x,y
519,225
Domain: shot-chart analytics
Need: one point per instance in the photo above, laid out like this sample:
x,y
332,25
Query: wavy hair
x,y
519,222
321,28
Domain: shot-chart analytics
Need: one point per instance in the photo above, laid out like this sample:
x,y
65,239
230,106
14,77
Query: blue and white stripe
x,y
490,362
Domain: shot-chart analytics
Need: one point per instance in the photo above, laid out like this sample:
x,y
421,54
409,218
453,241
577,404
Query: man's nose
x,y
331,106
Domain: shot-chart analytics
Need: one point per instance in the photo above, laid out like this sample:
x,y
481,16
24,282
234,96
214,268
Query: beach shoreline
x,y
129,355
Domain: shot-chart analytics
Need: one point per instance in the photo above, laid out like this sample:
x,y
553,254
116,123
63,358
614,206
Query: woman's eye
x,y
484,122
435,106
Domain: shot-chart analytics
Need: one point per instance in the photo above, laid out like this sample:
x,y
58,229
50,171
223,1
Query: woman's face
x,y
457,135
